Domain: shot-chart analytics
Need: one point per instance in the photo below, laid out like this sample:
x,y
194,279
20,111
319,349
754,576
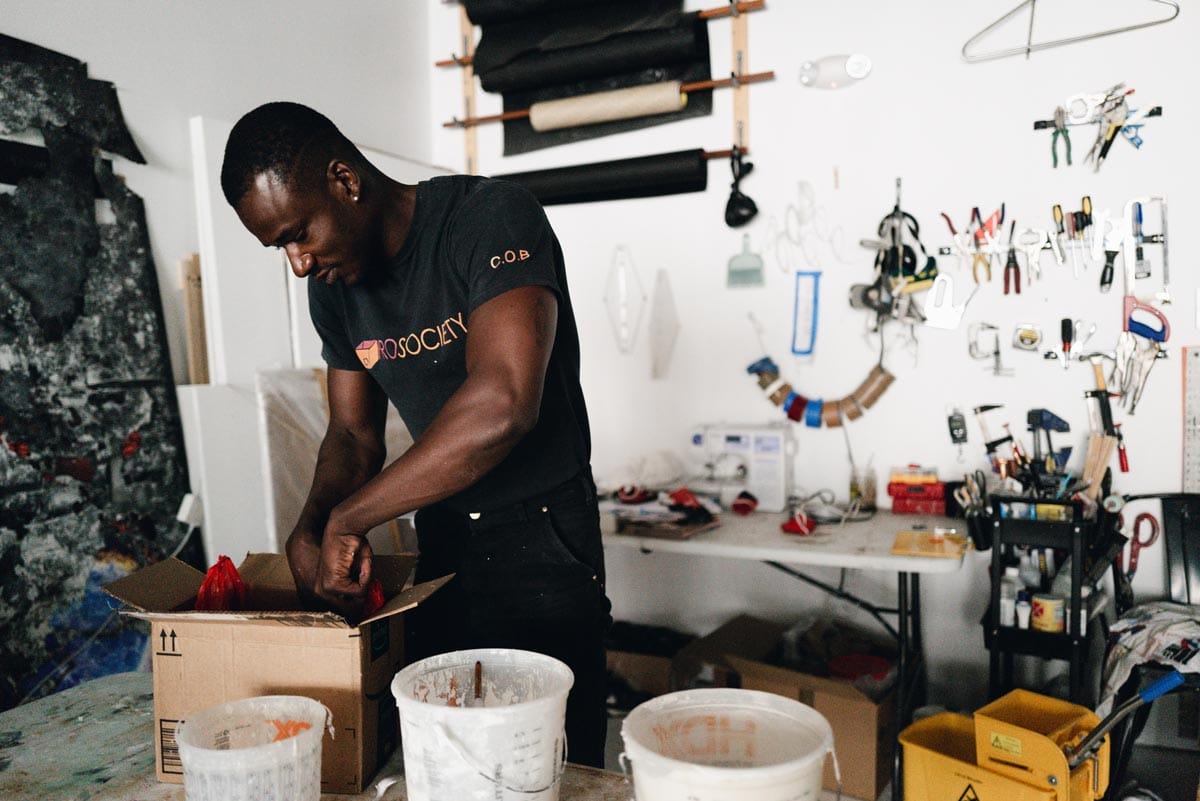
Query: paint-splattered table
x,y
94,742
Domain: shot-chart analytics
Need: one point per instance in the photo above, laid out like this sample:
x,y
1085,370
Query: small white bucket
x,y
506,744
256,748
726,745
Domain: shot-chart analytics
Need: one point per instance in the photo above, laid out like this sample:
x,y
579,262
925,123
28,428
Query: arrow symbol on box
x,y
172,640
163,634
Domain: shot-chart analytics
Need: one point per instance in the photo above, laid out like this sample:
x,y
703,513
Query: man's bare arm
x,y
509,339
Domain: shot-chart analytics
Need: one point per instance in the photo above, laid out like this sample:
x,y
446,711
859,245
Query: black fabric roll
x,y
682,43
519,136
574,26
483,12
646,176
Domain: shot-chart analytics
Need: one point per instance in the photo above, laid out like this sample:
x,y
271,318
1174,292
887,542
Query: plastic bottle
x,y
1024,609
1031,576
1010,585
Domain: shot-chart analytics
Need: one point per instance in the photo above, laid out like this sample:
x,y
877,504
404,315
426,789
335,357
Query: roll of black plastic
x,y
484,12
645,176
682,43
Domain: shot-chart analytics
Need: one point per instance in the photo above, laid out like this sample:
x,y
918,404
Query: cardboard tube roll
x,y
869,391
618,104
850,409
831,414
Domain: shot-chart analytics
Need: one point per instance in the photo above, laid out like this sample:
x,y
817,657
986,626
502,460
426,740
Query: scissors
x,y
1137,542
970,494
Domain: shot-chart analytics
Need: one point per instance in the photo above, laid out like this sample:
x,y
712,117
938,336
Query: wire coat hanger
x,y
1031,46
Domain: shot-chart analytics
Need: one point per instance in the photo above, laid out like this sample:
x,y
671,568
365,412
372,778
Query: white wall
x,y
959,135
364,64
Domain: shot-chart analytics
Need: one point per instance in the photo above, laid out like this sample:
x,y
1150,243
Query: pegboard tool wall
x,y
959,135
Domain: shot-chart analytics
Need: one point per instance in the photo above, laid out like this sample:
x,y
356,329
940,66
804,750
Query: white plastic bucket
x,y
254,749
726,745
508,744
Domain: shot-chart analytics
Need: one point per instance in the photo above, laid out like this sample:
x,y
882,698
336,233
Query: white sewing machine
x,y
725,459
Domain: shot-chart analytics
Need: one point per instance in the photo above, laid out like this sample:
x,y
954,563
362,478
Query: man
x,y
448,298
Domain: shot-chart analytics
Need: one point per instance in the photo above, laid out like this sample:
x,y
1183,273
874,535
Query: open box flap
x,y
408,599
161,587
170,586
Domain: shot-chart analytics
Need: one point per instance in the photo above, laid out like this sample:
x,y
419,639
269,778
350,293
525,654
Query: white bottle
x,y
1010,585
1030,575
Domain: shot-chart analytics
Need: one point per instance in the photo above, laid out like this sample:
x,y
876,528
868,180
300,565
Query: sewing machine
x,y
724,459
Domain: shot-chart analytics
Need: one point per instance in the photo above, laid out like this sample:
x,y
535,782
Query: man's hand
x,y
331,569
304,558
344,568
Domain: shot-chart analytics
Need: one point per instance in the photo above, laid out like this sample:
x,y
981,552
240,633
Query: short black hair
x,y
271,138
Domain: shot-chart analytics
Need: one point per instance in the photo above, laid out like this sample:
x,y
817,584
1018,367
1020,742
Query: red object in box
x,y
897,489
918,506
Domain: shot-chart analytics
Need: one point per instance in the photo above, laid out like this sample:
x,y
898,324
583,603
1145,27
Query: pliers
x,y
985,243
1060,129
1012,269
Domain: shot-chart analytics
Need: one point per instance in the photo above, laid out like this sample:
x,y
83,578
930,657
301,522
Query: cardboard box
x,y
864,734
206,658
646,673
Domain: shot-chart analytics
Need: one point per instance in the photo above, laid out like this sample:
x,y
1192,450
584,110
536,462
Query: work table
x,y
94,742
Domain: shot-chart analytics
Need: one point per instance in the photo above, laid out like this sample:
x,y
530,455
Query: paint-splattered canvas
x,y
92,465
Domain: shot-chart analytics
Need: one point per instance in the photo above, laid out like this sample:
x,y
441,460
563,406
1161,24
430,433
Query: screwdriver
x,y
1068,335
1012,269
1122,457
1106,275
1061,229
1086,228
1071,237
1141,266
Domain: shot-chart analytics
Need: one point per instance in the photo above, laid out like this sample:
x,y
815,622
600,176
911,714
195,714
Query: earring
x,y
354,198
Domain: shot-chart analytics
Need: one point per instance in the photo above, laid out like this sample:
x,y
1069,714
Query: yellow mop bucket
x,y
1012,749
1021,747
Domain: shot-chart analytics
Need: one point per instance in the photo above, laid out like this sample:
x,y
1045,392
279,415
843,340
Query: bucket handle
x,y
627,772
460,749
837,773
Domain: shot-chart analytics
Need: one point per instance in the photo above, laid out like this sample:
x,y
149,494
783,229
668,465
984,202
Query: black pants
x,y
528,576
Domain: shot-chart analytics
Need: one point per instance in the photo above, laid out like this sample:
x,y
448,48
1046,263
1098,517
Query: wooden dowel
x,y
724,11
695,86
722,83
724,154
471,121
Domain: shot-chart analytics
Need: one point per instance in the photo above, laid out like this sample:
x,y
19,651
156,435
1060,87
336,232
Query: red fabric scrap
x,y
222,589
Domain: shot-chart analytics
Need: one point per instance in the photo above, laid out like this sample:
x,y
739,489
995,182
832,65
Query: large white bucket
x,y
507,744
253,749
726,745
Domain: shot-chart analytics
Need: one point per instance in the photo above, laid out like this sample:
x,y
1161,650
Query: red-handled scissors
x,y
1138,542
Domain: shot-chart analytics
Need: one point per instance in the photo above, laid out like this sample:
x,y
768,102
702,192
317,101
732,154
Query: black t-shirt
x,y
471,239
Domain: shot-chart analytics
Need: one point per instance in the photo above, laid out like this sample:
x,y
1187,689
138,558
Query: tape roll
x,y
766,378
850,409
780,394
876,384
812,414
617,104
831,414
796,408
